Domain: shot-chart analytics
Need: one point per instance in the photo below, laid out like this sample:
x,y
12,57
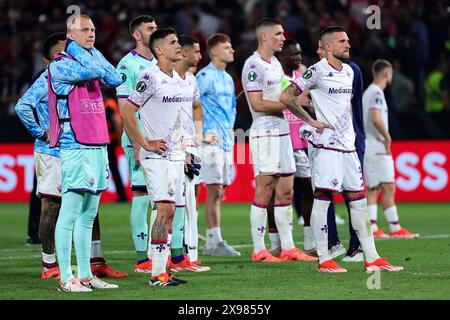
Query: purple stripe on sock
x,y
177,259
158,241
142,261
273,230
373,221
49,265
394,222
281,204
357,198
322,198
260,205
98,260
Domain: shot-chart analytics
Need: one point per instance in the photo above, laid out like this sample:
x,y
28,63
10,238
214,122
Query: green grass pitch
x,y
426,261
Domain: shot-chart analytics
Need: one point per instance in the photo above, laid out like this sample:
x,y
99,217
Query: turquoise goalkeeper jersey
x,y
130,67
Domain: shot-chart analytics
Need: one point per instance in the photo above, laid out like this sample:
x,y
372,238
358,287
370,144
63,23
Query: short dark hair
x,y
329,30
290,42
51,41
136,22
160,34
215,39
264,22
379,65
187,41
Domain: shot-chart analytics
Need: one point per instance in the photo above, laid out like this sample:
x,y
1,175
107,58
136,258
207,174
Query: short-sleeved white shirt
x,y
163,102
331,94
373,98
259,75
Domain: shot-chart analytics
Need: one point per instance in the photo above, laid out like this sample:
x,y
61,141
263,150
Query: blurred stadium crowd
x,y
414,36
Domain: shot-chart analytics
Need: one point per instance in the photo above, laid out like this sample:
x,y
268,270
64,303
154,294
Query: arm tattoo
x,y
297,109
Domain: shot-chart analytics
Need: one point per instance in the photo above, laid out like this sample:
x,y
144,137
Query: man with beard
x,y
130,67
335,166
270,144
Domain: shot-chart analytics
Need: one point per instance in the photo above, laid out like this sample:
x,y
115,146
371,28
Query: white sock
x,y
258,217
368,247
283,219
308,240
160,254
96,249
152,221
392,217
274,240
319,228
192,254
373,216
213,237
169,239
360,222
48,258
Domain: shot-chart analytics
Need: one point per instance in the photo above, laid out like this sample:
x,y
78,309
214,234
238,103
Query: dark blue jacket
x,y
358,125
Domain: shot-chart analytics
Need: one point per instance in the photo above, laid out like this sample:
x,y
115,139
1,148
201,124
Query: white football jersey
x,y
190,90
373,98
163,101
331,94
263,76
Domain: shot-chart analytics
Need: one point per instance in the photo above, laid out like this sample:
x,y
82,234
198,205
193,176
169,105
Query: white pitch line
x,y
435,236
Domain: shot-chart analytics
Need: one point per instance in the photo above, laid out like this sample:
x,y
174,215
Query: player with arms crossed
x,y
270,144
334,163
130,67
379,170
159,98
78,126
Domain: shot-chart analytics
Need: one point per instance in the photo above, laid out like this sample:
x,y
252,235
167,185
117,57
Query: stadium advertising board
x,y
422,173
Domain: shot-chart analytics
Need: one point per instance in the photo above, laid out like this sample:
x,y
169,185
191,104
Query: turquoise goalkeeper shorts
x,y
85,170
137,180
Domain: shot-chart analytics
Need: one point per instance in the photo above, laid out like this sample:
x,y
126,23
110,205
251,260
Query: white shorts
x,y
302,164
48,175
378,169
216,165
165,180
272,155
335,171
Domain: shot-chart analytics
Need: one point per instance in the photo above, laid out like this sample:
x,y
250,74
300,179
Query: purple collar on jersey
x,y
134,52
342,67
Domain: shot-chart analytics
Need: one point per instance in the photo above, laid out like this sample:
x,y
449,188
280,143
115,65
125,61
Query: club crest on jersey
x,y
307,74
141,86
334,182
171,192
91,181
123,67
251,76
